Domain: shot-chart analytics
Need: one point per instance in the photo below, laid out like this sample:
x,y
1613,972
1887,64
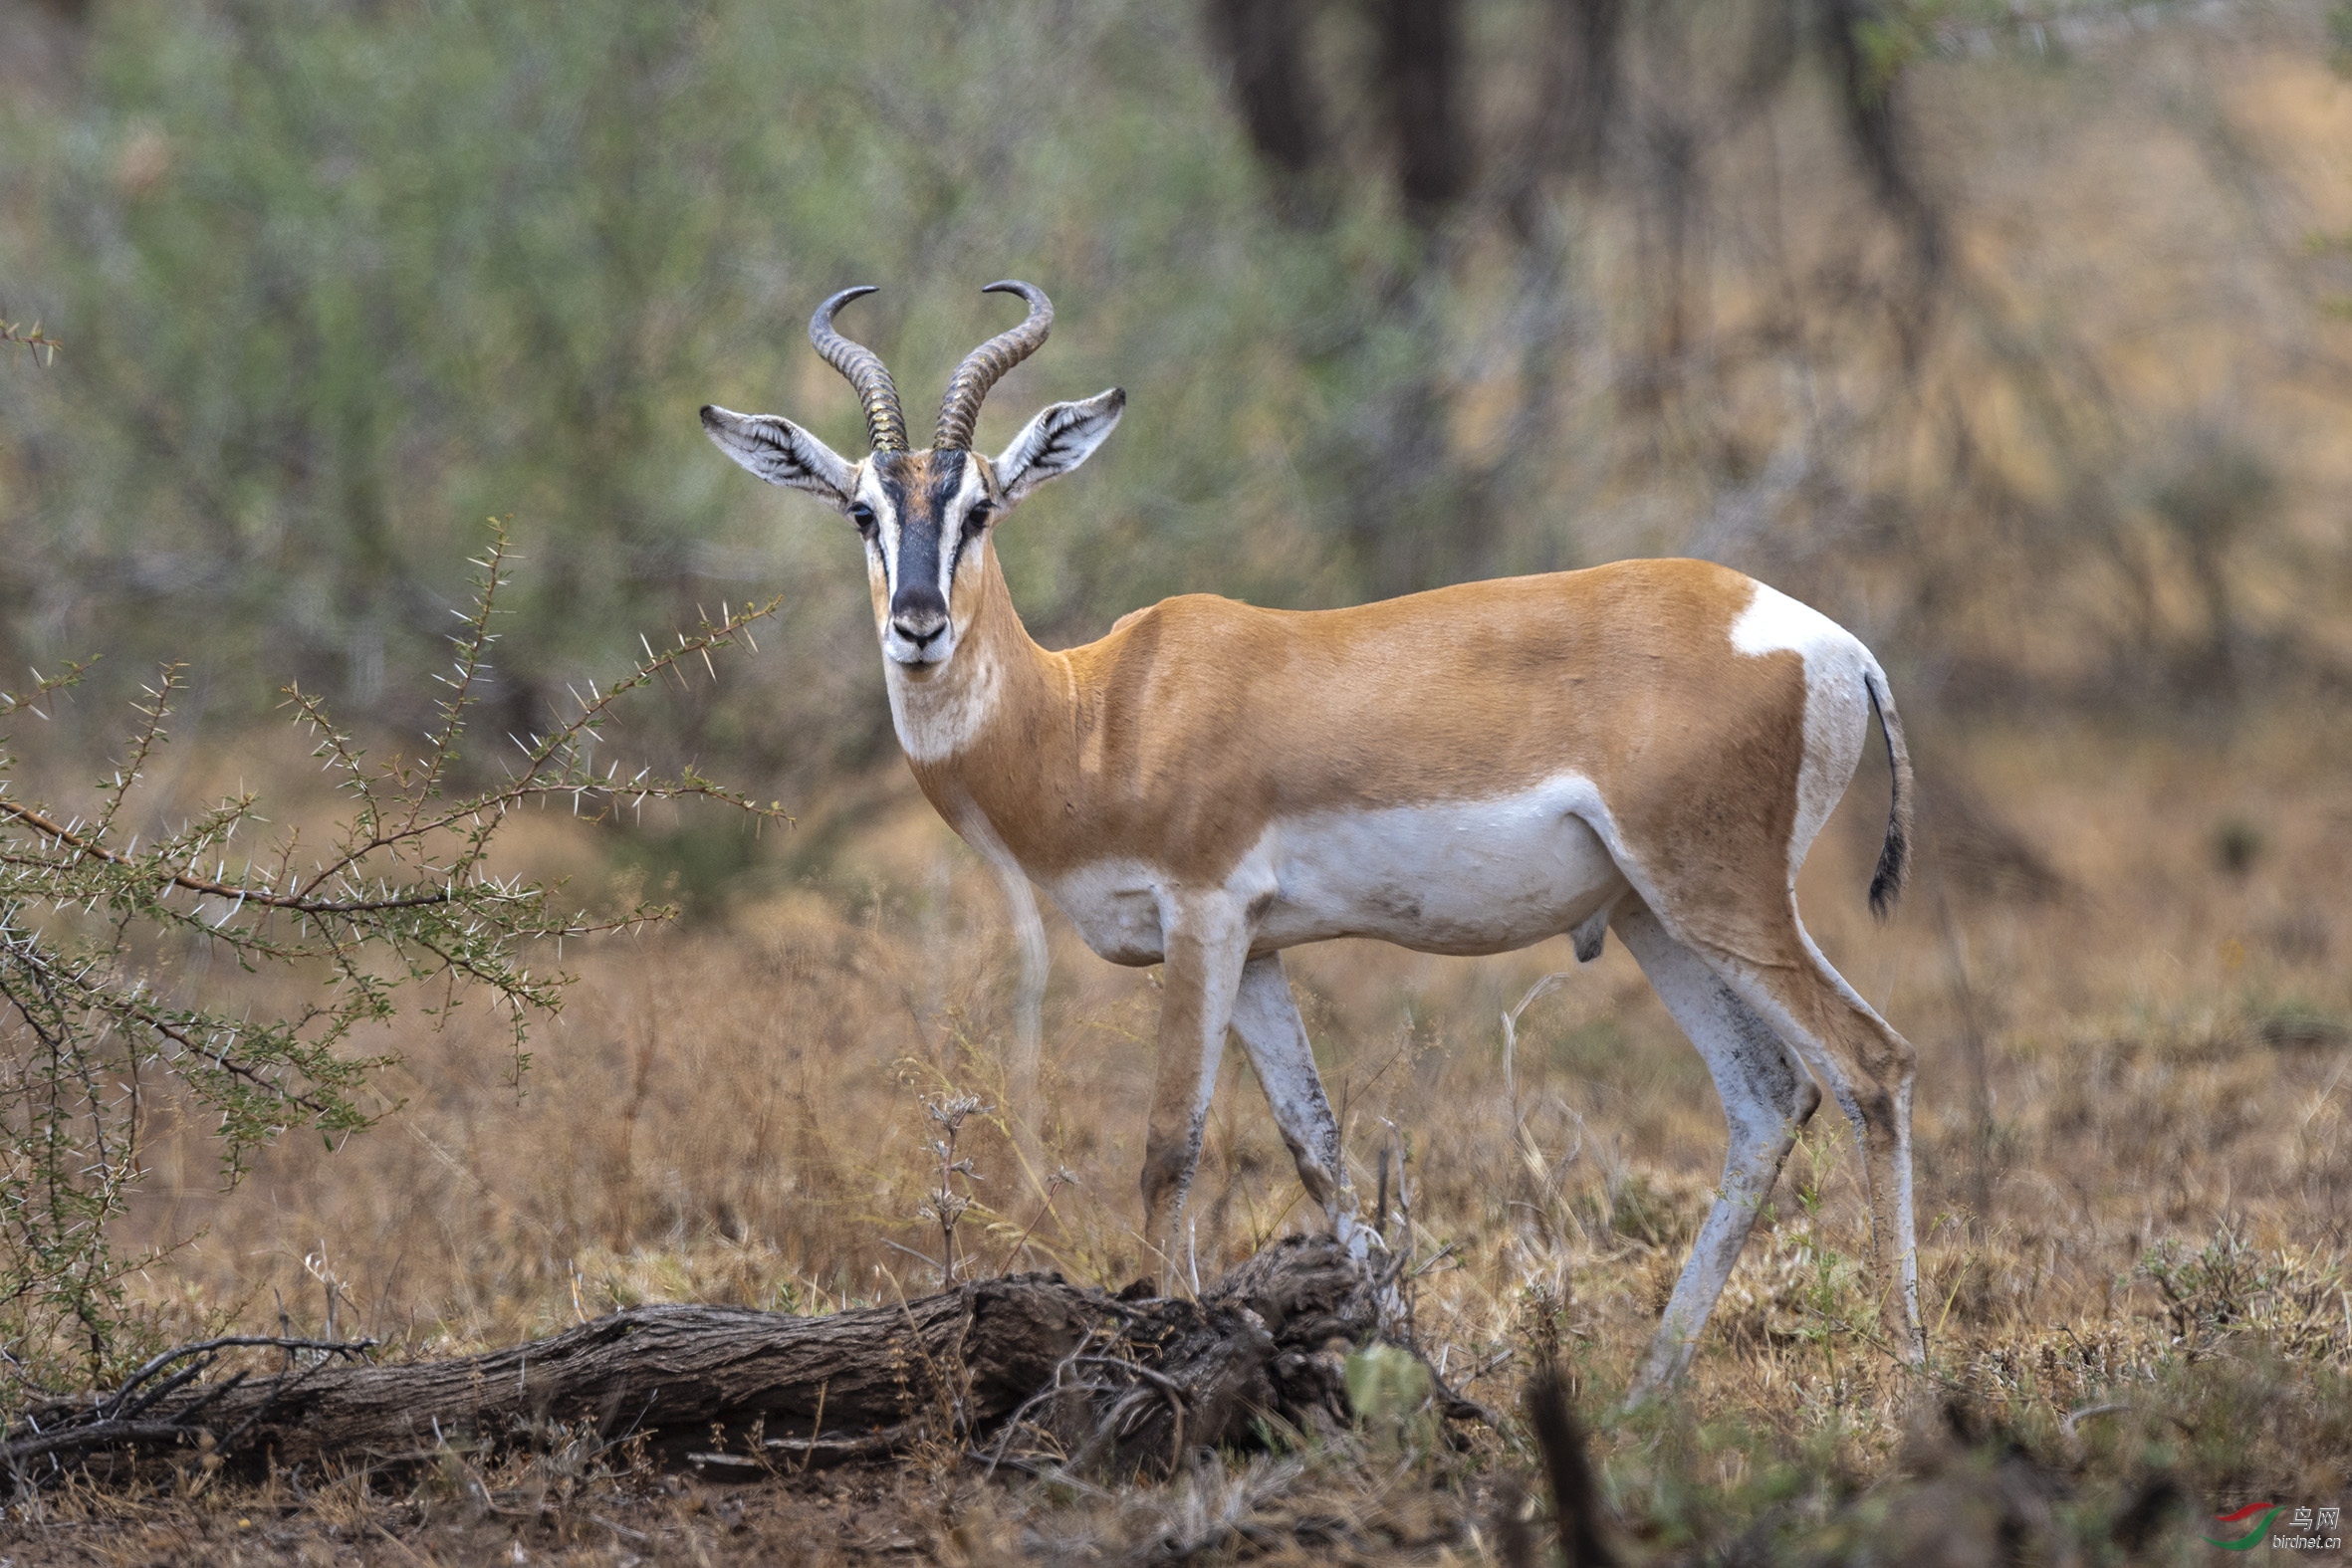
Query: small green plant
x,y
1389,1388
1830,1291
111,936
1640,1209
2210,1291
2293,1299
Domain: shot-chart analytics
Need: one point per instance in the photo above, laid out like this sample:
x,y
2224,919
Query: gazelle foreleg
x,y
1767,1096
1266,1021
1206,944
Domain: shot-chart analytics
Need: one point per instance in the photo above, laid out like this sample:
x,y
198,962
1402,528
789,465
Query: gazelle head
x,y
925,515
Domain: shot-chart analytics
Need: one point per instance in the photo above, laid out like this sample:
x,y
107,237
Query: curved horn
x,y
959,411
885,426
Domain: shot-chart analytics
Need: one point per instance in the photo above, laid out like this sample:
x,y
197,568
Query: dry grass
x,y
2128,971
2135,1186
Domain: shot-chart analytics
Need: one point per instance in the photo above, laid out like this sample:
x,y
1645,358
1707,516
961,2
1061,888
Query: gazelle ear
x,y
782,453
1057,440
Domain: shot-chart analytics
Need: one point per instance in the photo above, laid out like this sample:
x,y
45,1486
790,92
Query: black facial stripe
x,y
916,588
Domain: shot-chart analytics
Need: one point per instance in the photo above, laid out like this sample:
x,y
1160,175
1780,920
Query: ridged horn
x,y
985,365
877,394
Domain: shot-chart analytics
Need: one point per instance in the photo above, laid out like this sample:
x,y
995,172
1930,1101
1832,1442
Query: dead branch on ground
x,y
1028,1371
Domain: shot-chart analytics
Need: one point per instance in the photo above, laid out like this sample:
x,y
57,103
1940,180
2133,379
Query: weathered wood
x,y
1268,1340
1013,1364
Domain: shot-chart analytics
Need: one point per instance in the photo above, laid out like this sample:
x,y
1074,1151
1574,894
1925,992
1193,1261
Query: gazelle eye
x,y
864,515
977,518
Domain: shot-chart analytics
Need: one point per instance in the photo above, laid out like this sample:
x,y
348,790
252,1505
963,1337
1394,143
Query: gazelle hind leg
x,y
1766,1097
1266,1021
1868,1069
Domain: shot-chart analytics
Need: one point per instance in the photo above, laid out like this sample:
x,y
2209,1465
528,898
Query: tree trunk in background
x,y
1421,72
1262,44
1642,104
1875,126
41,48
1577,85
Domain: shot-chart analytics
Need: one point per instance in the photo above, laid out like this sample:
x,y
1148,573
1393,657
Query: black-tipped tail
x,y
1894,857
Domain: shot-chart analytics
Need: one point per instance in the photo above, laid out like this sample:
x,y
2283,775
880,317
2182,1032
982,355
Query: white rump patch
x,y
1774,622
1837,703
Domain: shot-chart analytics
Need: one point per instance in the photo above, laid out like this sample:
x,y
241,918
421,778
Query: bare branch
x,y
21,337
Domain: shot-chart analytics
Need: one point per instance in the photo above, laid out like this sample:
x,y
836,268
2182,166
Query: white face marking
x,y
1837,703
953,553
885,554
882,546
938,707
882,550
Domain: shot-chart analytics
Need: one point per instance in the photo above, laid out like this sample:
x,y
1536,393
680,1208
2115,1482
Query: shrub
x,y
399,902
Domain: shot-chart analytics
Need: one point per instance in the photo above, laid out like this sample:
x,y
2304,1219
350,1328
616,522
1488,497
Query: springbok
x,y
1648,747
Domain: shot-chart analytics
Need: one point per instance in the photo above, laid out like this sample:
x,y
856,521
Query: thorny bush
x,y
398,901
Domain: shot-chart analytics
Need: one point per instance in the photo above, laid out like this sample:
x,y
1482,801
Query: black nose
x,y
918,613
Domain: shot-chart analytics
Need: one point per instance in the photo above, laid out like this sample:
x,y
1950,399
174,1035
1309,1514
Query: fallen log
x,y
1013,1368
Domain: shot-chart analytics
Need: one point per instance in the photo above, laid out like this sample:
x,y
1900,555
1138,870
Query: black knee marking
x,y
1766,1062
1168,1167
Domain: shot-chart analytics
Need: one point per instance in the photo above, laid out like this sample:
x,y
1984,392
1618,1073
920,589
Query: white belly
x,y
1479,876
1115,904
1472,876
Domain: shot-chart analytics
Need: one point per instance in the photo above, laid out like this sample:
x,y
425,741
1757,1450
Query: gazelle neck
x,y
946,711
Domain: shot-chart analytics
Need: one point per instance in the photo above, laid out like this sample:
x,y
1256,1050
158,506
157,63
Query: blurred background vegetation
x,y
2017,338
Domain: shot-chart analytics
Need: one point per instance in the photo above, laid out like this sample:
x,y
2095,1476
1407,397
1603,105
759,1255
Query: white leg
x,y
1868,1069
1766,1097
1266,1021
1207,944
1029,1003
